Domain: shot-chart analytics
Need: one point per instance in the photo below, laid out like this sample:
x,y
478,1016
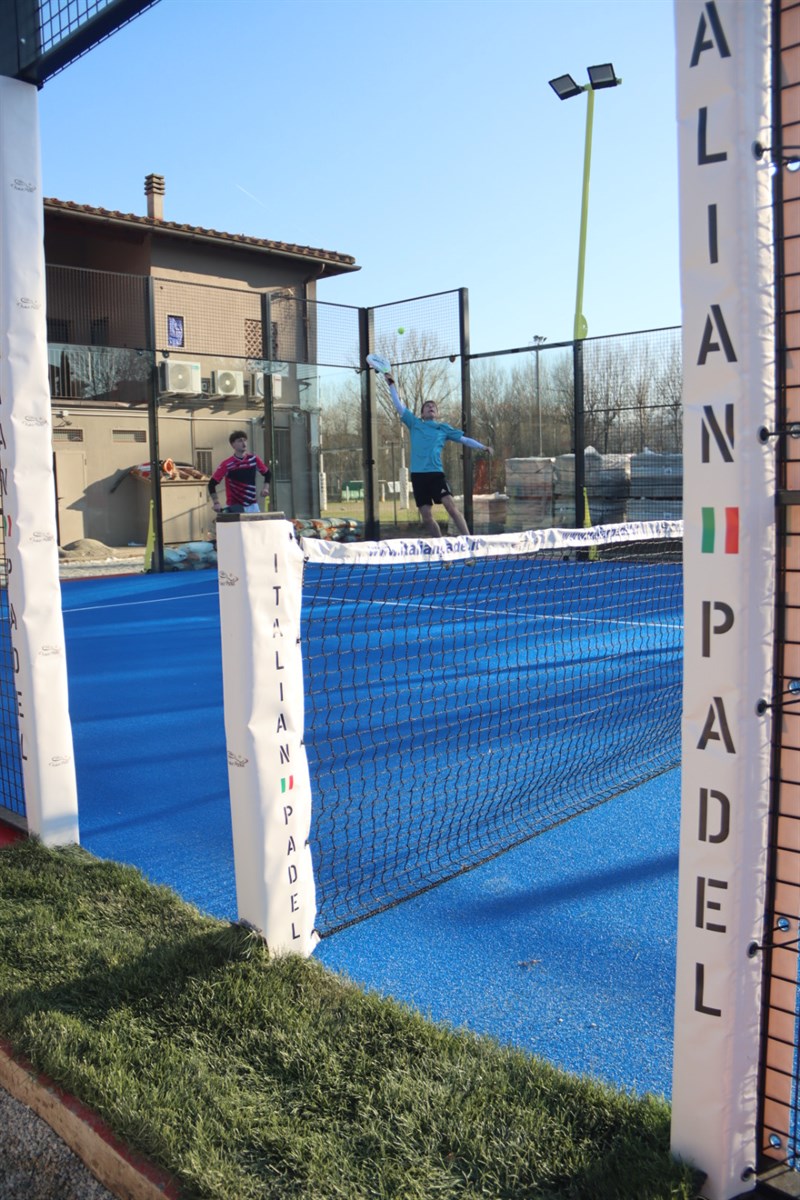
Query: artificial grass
x,y
248,1076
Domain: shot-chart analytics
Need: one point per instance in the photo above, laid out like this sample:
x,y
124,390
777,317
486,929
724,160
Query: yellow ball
x,y
401,330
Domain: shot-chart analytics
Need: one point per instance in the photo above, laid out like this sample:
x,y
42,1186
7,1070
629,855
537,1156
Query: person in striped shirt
x,y
239,472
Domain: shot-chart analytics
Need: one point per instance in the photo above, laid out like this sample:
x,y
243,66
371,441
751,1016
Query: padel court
x,y
564,944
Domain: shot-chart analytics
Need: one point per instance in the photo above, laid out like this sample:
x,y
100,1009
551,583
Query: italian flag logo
x,y
720,531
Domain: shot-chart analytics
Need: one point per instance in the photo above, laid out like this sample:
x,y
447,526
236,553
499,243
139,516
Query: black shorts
x,y
429,487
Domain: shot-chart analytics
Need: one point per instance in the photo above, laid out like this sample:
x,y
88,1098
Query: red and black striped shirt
x,y
240,478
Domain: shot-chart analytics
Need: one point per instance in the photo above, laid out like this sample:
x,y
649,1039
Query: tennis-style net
x,y
458,704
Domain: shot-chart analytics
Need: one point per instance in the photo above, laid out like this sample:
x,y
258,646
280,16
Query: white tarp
x,y
723,77
260,595
26,480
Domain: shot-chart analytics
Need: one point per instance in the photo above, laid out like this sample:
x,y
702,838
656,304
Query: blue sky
x,y
419,136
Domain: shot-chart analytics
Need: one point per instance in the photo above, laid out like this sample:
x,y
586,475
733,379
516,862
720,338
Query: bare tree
x,y
424,372
340,433
669,389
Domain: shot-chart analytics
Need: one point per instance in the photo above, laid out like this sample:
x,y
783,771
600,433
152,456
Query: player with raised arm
x,y
239,472
428,436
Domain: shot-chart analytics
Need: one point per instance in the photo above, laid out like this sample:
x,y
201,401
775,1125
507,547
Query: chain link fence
x,y
630,425
196,361
149,377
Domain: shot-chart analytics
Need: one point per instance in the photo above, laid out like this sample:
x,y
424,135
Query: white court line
x,y
503,612
488,612
136,603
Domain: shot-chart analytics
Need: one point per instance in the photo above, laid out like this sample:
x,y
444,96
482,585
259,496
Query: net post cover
x,y
37,628
260,588
728,296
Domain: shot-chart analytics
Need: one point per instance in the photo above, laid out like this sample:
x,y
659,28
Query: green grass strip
x,y
255,1077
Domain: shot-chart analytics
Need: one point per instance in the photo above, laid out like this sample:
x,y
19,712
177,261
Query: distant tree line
x,y
522,403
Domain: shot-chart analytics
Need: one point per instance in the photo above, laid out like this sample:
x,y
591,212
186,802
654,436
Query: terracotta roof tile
x,y
239,239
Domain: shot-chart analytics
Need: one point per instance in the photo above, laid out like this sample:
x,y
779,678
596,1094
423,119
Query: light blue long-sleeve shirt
x,y
428,437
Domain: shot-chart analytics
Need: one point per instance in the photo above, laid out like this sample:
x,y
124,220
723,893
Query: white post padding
x,y
26,481
260,595
727,275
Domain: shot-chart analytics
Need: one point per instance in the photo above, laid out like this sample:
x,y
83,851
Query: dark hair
x,y
237,433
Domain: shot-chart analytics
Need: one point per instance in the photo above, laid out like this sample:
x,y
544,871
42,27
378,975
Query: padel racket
x,y
379,364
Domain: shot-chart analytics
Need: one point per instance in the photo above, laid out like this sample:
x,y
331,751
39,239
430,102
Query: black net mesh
x,y
458,706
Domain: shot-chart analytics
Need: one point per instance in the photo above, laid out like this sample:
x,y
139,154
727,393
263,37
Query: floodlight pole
x,y
580,327
565,87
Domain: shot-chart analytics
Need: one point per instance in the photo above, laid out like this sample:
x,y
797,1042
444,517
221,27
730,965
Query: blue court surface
x,y
563,946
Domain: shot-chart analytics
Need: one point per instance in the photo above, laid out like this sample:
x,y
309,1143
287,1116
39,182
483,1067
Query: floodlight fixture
x,y
565,87
603,76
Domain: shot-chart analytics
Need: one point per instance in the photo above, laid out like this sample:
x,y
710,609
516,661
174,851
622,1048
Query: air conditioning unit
x,y
259,386
227,383
181,378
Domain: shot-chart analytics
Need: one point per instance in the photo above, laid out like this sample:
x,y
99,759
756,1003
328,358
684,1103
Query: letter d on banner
x,y
260,587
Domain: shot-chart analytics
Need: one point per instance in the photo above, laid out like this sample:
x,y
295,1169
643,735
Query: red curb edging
x,y
9,834
124,1172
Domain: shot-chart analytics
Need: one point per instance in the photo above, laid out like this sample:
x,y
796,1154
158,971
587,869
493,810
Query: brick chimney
x,y
154,190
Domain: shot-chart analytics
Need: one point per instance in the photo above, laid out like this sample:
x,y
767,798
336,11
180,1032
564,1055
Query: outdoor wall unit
x,y
180,378
258,385
227,383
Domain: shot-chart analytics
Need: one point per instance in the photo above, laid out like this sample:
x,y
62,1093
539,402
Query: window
x,y
203,461
67,435
99,331
283,455
175,332
128,435
58,330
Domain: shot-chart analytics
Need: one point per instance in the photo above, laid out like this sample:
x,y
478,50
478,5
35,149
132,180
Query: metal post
x,y
394,481
466,400
267,351
538,402
577,360
369,423
152,422
538,338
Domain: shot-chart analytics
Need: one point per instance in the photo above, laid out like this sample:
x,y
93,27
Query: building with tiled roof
x,y
162,337
101,239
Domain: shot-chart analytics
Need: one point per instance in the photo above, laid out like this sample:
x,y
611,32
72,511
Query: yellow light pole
x,y
565,88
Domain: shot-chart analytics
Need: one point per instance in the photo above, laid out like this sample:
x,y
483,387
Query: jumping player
x,y
428,435
239,472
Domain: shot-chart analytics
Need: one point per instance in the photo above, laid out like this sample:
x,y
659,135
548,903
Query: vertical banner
x,y
26,480
260,593
727,277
